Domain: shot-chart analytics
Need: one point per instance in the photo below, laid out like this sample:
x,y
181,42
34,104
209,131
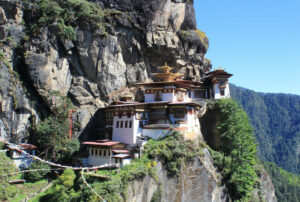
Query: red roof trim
x,y
108,144
181,128
28,146
121,151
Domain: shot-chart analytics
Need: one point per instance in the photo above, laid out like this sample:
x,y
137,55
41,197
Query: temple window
x,y
158,95
118,124
130,124
104,152
179,113
199,94
222,92
180,95
126,124
141,124
221,83
121,124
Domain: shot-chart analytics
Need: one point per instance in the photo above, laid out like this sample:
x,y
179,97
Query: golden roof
x,y
166,74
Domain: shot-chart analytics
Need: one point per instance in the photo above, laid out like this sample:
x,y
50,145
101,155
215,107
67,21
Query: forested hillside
x,y
287,185
276,120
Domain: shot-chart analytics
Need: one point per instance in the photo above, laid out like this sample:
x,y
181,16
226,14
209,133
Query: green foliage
x,y
28,189
157,194
7,191
191,35
38,175
4,60
238,149
172,151
2,145
287,185
275,118
52,133
62,189
65,15
66,32
113,189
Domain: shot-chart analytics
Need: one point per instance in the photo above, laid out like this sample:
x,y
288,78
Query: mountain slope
x,y
276,120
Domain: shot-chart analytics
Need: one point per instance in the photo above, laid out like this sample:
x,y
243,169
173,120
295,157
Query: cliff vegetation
x,y
275,118
235,160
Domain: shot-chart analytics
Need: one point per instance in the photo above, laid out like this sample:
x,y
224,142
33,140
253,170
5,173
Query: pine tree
x,y
62,189
238,143
52,133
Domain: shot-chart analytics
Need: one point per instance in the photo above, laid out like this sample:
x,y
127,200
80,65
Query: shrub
x,y
236,158
37,175
172,151
65,15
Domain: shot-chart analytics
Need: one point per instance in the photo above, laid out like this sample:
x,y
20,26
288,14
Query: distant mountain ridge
x,y
276,120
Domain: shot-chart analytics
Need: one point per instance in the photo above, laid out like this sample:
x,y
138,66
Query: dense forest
x,y
276,120
287,185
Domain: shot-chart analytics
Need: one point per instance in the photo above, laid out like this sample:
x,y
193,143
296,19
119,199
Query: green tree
x,y
62,189
52,133
238,145
7,191
37,175
275,118
287,185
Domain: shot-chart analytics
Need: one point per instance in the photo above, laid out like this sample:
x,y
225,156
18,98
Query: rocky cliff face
x,y
18,107
198,180
141,37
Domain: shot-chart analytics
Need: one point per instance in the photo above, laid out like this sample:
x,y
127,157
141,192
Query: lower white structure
x,y
22,160
107,152
126,128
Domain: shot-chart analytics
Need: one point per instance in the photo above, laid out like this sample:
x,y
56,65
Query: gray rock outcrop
x,y
198,181
17,111
141,37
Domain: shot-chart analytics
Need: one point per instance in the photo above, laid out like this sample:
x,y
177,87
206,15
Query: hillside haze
x,y
276,120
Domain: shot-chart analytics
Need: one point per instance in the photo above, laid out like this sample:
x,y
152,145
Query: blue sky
x,y
256,40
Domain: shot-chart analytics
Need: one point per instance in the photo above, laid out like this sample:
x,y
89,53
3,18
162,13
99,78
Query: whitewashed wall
x,y
23,162
149,98
125,162
217,94
98,160
126,135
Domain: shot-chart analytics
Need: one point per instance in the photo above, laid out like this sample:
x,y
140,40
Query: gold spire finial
x,y
220,68
166,64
